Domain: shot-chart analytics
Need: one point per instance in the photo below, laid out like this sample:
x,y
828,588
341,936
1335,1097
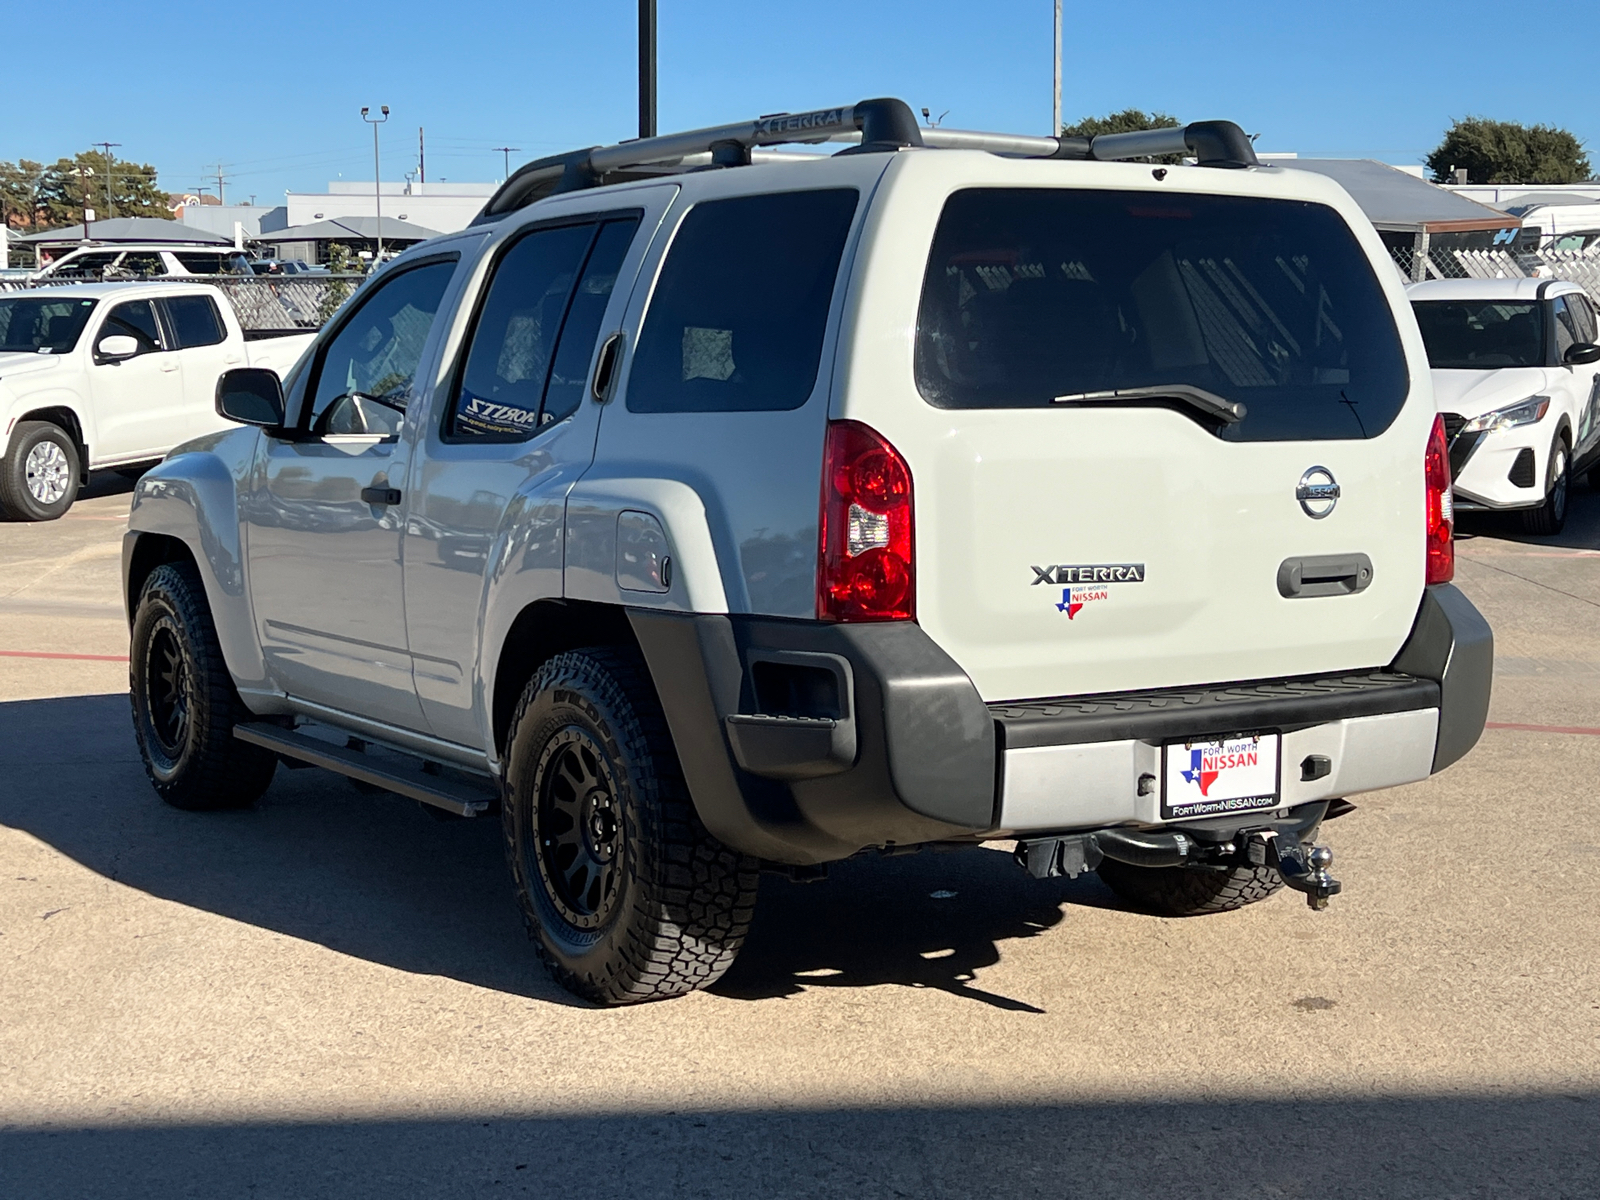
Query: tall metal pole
x,y
422,168
108,147
377,175
1055,111
508,151
647,68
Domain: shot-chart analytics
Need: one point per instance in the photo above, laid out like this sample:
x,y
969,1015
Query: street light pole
x,y
1055,111
647,68
377,175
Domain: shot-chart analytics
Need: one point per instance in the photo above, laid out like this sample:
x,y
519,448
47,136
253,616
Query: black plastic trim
x,y
1220,144
1159,714
1452,644
923,765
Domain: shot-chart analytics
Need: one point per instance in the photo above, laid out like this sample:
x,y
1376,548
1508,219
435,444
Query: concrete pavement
x,y
332,995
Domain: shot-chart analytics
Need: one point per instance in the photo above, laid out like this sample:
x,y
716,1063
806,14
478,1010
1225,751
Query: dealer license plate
x,y
1217,777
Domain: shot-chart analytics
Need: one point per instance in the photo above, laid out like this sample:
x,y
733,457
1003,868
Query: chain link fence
x,y
1442,262
262,303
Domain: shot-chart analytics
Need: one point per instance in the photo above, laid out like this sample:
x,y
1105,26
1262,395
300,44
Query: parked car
x,y
284,266
156,260
767,515
1551,221
1516,375
112,375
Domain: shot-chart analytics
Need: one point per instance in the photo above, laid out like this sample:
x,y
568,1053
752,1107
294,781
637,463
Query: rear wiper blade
x,y
1229,412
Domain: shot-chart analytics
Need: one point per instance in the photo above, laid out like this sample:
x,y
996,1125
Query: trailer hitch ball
x,y
1302,867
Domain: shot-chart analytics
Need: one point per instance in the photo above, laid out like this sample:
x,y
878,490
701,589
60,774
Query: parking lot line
x,y
1543,728
75,657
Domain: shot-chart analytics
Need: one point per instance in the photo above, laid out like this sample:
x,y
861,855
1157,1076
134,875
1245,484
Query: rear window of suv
x,y
1036,294
738,316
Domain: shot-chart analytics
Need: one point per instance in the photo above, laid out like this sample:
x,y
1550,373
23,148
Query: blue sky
x,y
274,91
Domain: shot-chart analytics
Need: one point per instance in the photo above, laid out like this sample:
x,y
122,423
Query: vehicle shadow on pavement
x,y
376,877
1278,1146
373,876
929,920
1582,530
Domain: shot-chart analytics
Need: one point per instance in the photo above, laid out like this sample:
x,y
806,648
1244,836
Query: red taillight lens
x,y
864,562
1441,509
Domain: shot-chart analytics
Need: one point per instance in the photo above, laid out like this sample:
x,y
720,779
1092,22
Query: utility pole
x,y
83,191
508,151
107,147
221,195
647,68
422,170
1055,111
377,175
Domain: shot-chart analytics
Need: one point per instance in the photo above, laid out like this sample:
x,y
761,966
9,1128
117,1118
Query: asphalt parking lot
x,y
332,994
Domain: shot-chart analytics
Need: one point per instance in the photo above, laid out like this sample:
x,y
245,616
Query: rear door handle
x,y
1324,575
381,495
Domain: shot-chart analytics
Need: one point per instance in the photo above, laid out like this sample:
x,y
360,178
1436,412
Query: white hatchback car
x,y
1516,374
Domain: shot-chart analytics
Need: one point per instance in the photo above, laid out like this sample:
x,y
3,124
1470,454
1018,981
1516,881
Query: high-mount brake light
x,y
865,567
1441,507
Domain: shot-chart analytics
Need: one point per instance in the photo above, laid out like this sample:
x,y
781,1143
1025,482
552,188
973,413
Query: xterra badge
x,y
1086,583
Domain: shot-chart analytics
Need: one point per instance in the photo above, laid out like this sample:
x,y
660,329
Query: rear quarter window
x,y
741,305
1034,294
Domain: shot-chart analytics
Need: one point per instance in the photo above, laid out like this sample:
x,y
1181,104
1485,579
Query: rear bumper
x,y
803,742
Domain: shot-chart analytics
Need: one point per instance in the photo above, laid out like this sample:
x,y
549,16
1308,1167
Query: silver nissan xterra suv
x,y
704,508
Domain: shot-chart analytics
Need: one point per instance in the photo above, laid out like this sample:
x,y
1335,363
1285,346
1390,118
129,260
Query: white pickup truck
x,y
113,375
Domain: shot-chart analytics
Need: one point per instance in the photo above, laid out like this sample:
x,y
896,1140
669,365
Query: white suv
x,y
1516,374
706,513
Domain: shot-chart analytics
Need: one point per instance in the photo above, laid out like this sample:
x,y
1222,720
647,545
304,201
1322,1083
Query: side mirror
x,y
251,396
1579,354
116,346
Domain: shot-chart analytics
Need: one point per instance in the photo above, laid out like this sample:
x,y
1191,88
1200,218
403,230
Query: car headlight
x,y
1524,412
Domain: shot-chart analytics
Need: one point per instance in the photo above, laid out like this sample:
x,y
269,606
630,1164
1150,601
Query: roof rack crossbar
x,y
883,124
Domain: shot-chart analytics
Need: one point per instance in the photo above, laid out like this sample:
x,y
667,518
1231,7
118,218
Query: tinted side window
x,y
502,382
1583,311
200,264
1033,295
194,321
376,351
569,374
136,319
738,316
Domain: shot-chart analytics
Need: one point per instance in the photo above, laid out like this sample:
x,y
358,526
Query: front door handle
x,y
1324,575
381,495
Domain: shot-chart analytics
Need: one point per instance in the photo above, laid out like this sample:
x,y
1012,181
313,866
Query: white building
x,y
444,207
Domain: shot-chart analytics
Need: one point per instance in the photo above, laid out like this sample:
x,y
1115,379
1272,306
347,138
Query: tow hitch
x,y
1302,867
1278,846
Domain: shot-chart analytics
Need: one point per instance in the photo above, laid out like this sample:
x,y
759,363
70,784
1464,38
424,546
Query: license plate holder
x,y
1220,776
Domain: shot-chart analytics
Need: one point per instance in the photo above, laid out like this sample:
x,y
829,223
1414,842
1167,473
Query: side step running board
x,y
408,778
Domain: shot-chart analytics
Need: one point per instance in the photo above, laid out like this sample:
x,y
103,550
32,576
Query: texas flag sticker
x,y
1217,777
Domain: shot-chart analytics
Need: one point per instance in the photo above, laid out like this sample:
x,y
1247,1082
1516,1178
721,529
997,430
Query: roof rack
x,y
873,125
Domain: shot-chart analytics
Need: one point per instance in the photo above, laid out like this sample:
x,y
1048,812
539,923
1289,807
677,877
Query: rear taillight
x,y
864,562
1441,510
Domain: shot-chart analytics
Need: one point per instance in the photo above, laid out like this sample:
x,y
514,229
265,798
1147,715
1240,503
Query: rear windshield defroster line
x,y
1033,294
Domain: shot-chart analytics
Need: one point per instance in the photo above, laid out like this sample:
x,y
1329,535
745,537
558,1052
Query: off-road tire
x,y
1186,891
1551,516
184,702
668,910
17,500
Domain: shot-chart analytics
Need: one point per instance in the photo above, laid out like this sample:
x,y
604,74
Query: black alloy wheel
x,y
625,893
579,829
184,703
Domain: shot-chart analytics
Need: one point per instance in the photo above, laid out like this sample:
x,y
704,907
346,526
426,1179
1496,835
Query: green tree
x,y
68,185
1129,120
1505,152
19,193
